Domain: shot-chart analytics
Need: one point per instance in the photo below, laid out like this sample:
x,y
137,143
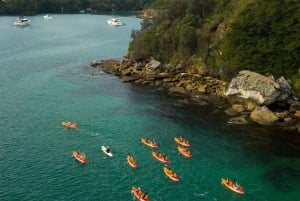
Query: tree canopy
x,y
225,35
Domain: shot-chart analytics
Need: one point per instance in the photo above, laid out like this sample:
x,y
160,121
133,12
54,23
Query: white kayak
x,y
106,150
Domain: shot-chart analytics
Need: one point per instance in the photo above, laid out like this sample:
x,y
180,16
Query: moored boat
x,y
232,186
139,194
80,157
182,141
47,17
131,161
185,152
115,21
171,174
22,21
150,143
69,124
161,157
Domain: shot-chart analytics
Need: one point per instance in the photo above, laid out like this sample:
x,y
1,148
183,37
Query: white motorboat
x,y
47,17
22,21
115,21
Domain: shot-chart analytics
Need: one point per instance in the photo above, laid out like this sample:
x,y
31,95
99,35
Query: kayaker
x,y
139,193
145,196
237,185
107,150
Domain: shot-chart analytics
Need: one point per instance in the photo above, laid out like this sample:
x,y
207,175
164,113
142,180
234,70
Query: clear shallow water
x,y
45,79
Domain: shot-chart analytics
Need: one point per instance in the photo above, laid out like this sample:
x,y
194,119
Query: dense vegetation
x,y
223,36
26,7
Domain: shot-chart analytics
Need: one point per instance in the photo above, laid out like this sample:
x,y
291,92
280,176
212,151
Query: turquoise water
x,y
46,78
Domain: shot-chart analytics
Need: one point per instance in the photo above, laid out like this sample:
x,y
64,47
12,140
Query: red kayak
x,y
149,143
79,157
234,187
161,157
187,153
131,161
139,194
182,141
70,124
171,174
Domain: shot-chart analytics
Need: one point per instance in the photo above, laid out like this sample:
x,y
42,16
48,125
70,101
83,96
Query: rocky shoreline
x,y
248,98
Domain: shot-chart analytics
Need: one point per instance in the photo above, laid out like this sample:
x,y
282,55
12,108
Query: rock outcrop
x,y
249,96
250,85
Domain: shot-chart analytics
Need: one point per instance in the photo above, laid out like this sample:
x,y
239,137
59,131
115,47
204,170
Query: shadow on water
x,y
253,137
274,148
283,178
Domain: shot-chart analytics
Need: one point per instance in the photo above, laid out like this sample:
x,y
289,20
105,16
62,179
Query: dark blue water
x,y
46,78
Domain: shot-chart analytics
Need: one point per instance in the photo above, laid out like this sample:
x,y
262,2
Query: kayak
x,y
234,187
131,161
171,174
149,143
139,194
69,124
187,153
79,157
182,141
106,152
161,157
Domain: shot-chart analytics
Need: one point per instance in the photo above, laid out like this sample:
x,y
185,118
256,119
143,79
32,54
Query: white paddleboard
x,y
103,148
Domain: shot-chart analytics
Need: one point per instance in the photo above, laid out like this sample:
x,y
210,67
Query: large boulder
x,y
153,64
250,85
285,89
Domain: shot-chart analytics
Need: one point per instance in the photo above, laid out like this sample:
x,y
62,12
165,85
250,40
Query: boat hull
x,y
182,142
229,184
167,172
131,162
149,143
103,148
21,21
184,152
135,192
114,22
161,159
70,125
77,156
47,17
